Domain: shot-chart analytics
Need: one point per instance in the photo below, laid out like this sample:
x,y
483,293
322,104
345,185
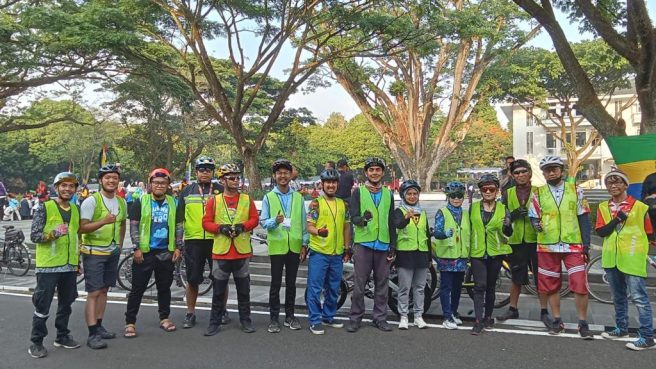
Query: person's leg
x,y
277,264
334,278
446,283
457,279
94,285
493,268
638,292
533,267
519,272
163,281
479,271
292,261
618,290
221,272
110,274
403,294
141,274
194,259
549,280
381,283
243,284
363,261
575,264
66,295
42,299
317,269
418,286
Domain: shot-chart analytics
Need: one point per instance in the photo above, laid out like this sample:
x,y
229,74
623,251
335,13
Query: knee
x,y
480,287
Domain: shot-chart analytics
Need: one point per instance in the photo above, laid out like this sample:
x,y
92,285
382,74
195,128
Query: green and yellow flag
x,y
635,156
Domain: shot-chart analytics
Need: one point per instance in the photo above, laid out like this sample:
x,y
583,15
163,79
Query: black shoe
x,y
546,320
66,342
105,334
488,323
557,327
352,326
584,331
37,351
95,342
274,326
477,329
382,325
190,320
225,319
212,330
247,326
509,314
292,323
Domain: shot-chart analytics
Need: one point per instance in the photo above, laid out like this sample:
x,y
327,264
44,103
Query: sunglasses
x,y
232,178
204,170
488,189
520,171
457,195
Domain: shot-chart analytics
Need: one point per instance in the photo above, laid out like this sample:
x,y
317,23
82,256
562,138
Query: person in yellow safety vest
x,y
329,227
152,231
102,224
230,217
55,233
451,251
283,216
625,225
413,244
559,214
490,229
523,240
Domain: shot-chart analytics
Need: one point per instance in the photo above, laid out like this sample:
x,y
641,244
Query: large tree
x,y
627,28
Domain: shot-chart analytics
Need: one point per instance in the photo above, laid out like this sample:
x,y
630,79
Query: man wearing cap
x,y
346,180
152,231
54,231
523,240
559,214
624,224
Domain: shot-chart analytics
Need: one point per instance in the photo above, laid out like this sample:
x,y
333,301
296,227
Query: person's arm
x,y
399,219
180,208
649,229
266,222
252,221
354,207
390,223
312,216
37,233
438,232
601,228
507,224
87,209
583,215
208,218
135,218
306,235
534,212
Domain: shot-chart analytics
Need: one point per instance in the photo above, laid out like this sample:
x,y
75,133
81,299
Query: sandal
x,y
130,331
167,325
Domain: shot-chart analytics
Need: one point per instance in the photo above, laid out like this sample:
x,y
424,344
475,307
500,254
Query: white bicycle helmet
x,y
549,161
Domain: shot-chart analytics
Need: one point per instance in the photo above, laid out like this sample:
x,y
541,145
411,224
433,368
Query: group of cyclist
x,y
537,228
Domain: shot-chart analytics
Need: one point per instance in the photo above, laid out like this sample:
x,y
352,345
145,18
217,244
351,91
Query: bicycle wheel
x,y
597,281
80,278
341,298
393,288
18,259
125,273
205,286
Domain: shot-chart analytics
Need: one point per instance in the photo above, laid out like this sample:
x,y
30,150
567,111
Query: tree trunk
x,y
250,169
421,169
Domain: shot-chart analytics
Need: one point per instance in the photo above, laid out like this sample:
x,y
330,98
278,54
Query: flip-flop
x,y
167,325
130,331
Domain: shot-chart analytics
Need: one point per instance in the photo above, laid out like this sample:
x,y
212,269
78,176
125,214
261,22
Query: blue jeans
x,y
623,285
450,289
324,274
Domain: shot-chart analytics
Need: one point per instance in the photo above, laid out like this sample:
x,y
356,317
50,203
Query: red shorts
x,y
550,268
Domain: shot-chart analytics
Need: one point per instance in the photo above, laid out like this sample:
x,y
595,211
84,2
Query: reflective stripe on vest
x,y
488,238
147,220
64,250
377,228
456,246
560,222
414,236
522,229
627,249
104,239
280,240
222,215
334,243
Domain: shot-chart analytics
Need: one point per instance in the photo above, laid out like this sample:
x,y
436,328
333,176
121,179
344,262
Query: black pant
x,y
46,284
486,272
159,261
221,270
290,261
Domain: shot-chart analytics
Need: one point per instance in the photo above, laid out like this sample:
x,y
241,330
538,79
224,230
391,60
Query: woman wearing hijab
x,y
412,253
649,196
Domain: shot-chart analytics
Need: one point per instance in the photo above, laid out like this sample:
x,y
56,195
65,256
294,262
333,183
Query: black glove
x,y
322,232
238,229
621,215
518,213
367,215
359,221
226,230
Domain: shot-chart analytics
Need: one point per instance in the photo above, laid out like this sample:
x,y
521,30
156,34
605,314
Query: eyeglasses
x,y
204,170
159,184
232,178
520,171
488,189
611,183
457,195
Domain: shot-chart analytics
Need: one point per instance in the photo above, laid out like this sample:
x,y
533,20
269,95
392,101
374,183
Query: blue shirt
x,y
286,202
159,226
377,245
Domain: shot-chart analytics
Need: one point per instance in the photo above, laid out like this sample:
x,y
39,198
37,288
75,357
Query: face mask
x,y
554,182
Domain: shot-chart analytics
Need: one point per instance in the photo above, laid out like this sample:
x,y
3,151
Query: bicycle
x,y
597,280
124,277
15,254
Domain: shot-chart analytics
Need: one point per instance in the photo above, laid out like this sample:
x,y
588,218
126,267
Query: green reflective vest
x,y
223,215
147,220
560,222
414,236
377,228
100,240
522,229
334,243
627,249
282,240
456,246
64,250
488,238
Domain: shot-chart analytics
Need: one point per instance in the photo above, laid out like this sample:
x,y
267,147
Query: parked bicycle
x,y
597,280
15,254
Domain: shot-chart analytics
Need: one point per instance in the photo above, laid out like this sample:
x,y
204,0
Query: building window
x,y
580,139
529,143
551,141
618,107
575,110
530,119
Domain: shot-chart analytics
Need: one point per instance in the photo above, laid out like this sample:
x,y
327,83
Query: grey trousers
x,y
366,260
414,279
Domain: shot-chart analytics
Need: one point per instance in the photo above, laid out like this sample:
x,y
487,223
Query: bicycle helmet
x,y
228,169
550,161
159,173
374,162
488,179
109,168
329,175
65,177
281,163
205,162
519,163
454,187
406,185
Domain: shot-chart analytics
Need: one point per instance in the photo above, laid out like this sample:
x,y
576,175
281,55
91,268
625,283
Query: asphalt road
x,y
369,348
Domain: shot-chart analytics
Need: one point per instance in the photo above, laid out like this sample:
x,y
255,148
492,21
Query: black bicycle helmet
x,y
520,163
374,162
488,179
454,187
281,163
109,168
205,162
329,175
406,185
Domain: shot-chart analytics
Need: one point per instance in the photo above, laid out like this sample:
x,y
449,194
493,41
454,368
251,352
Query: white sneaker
x,y
450,324
420,323
403,323
456,319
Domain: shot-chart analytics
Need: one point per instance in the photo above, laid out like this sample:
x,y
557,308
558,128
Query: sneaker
x,y
584,331
352,326
66,342
641,344
317,329
488,323
546,320
382,325
332,323
37,351
456,319
274,326
190,320
292,323
105,334
225,319
450,324
247,326
420,323
615,334
212,330
95,342
509,314
477,329
557,327
403,323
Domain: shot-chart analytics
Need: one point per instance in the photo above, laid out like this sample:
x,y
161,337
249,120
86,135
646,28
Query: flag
x,y
635,156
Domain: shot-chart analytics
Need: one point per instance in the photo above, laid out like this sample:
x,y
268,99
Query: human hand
x,y
109,219
449,233
138,256
226,230
322,232
176,255
238,229
367,215
279,218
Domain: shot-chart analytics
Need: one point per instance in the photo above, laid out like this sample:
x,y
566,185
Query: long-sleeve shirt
x,y
625,206
354,210
448,265
38,235
210,226
411,259
286,203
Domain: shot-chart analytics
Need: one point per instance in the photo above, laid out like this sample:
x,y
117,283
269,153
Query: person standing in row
x,y
152,231
346,180
284,218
